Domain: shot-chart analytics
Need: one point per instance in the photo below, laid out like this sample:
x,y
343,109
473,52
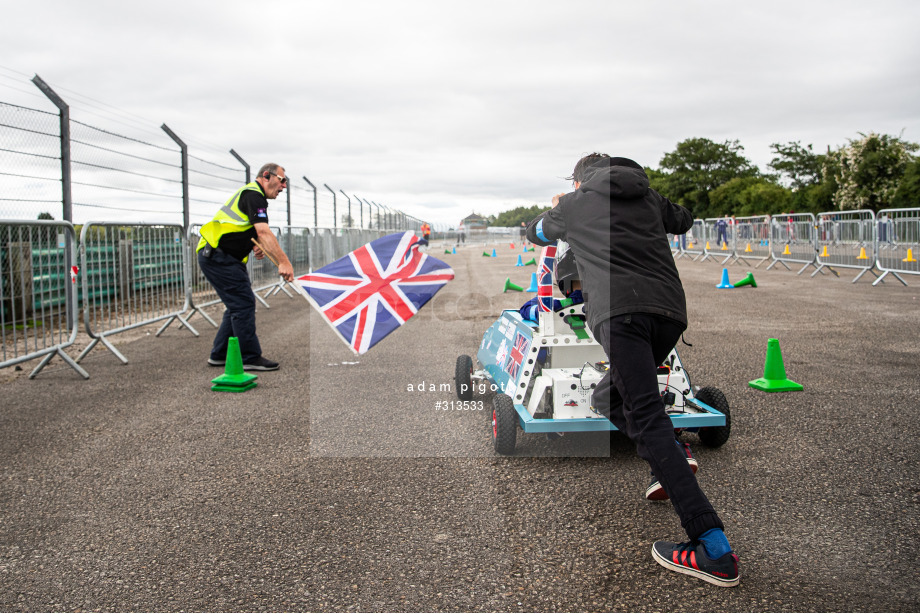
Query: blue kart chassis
x,y
708,417
509,352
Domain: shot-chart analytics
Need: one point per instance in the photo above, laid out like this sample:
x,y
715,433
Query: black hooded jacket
x,y
617,227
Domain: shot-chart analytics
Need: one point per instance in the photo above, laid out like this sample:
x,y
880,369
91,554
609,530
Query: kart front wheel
x,y
463,377
504,424
715,436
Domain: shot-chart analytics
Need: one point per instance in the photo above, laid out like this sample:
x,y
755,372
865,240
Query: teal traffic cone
x,y
234,378
725,283
454,251
494,255
520,262
533,283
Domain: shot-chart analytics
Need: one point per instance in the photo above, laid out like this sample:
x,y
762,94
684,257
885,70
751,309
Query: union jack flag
x,y
545,278
375,289
515,357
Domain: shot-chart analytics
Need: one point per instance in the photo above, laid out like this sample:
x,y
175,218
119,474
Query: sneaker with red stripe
x,y
655,491
690,558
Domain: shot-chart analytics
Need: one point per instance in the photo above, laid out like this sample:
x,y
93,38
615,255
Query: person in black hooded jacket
x,y
617,227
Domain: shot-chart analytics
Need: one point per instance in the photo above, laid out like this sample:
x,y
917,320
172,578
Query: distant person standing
x,y
222,255
426,231
721,227
523,231
461,231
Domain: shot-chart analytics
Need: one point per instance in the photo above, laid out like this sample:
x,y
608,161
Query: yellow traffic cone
x,y
748,249
707,244
910,256
724,246
862,254
690,245
786,251
824,254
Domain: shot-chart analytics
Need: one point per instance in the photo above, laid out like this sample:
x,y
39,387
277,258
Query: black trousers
x,y
231,281
636,344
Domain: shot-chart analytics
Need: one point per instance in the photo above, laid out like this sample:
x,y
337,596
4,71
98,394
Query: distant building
x,y
474,222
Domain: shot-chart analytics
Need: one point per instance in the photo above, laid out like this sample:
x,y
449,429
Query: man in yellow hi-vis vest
x,y
222,254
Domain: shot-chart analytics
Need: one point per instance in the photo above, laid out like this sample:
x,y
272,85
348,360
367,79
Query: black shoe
x,y
260,364
216,363
655,491
690,558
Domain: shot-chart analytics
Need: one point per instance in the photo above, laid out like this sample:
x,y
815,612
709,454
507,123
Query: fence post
x,y
315,210
360,212
350,221
243,162
335,222
66,186
64,108
184,149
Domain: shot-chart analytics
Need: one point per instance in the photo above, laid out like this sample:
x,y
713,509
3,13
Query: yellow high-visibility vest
x,y
228,219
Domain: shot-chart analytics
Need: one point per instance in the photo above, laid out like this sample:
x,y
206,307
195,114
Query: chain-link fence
x,y
30,163
56,167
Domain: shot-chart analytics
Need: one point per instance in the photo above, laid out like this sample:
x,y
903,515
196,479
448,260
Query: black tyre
x,y
504,424
463,377
715,436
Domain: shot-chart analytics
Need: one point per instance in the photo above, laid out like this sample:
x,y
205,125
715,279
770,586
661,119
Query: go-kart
x,y
543,374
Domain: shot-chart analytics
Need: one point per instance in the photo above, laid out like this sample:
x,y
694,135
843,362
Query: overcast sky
x,y
441,109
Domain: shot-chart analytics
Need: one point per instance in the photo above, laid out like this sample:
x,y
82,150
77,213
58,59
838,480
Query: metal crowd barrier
x,y
132,275
264,275
898,241
201,293
754,233
720,240
846,239
792,240
38,299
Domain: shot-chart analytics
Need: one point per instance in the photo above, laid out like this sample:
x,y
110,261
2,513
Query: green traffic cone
x,y
446,251
774,373
512,286
532,261
234,378
747,281
487,254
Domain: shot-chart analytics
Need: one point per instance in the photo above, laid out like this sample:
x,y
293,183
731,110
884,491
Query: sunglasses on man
x,y
283,180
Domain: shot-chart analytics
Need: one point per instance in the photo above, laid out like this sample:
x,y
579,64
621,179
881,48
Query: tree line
x,y
875,171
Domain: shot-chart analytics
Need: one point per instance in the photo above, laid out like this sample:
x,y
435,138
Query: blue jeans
x,y
636,344
231,281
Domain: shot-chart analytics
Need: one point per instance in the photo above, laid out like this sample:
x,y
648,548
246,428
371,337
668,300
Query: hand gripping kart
x,y
543,375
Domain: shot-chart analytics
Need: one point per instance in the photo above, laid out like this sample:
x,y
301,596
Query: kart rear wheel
x,y
504,424
715,436
463,377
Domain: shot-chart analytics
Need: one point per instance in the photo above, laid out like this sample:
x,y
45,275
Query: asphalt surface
x,y
334,486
